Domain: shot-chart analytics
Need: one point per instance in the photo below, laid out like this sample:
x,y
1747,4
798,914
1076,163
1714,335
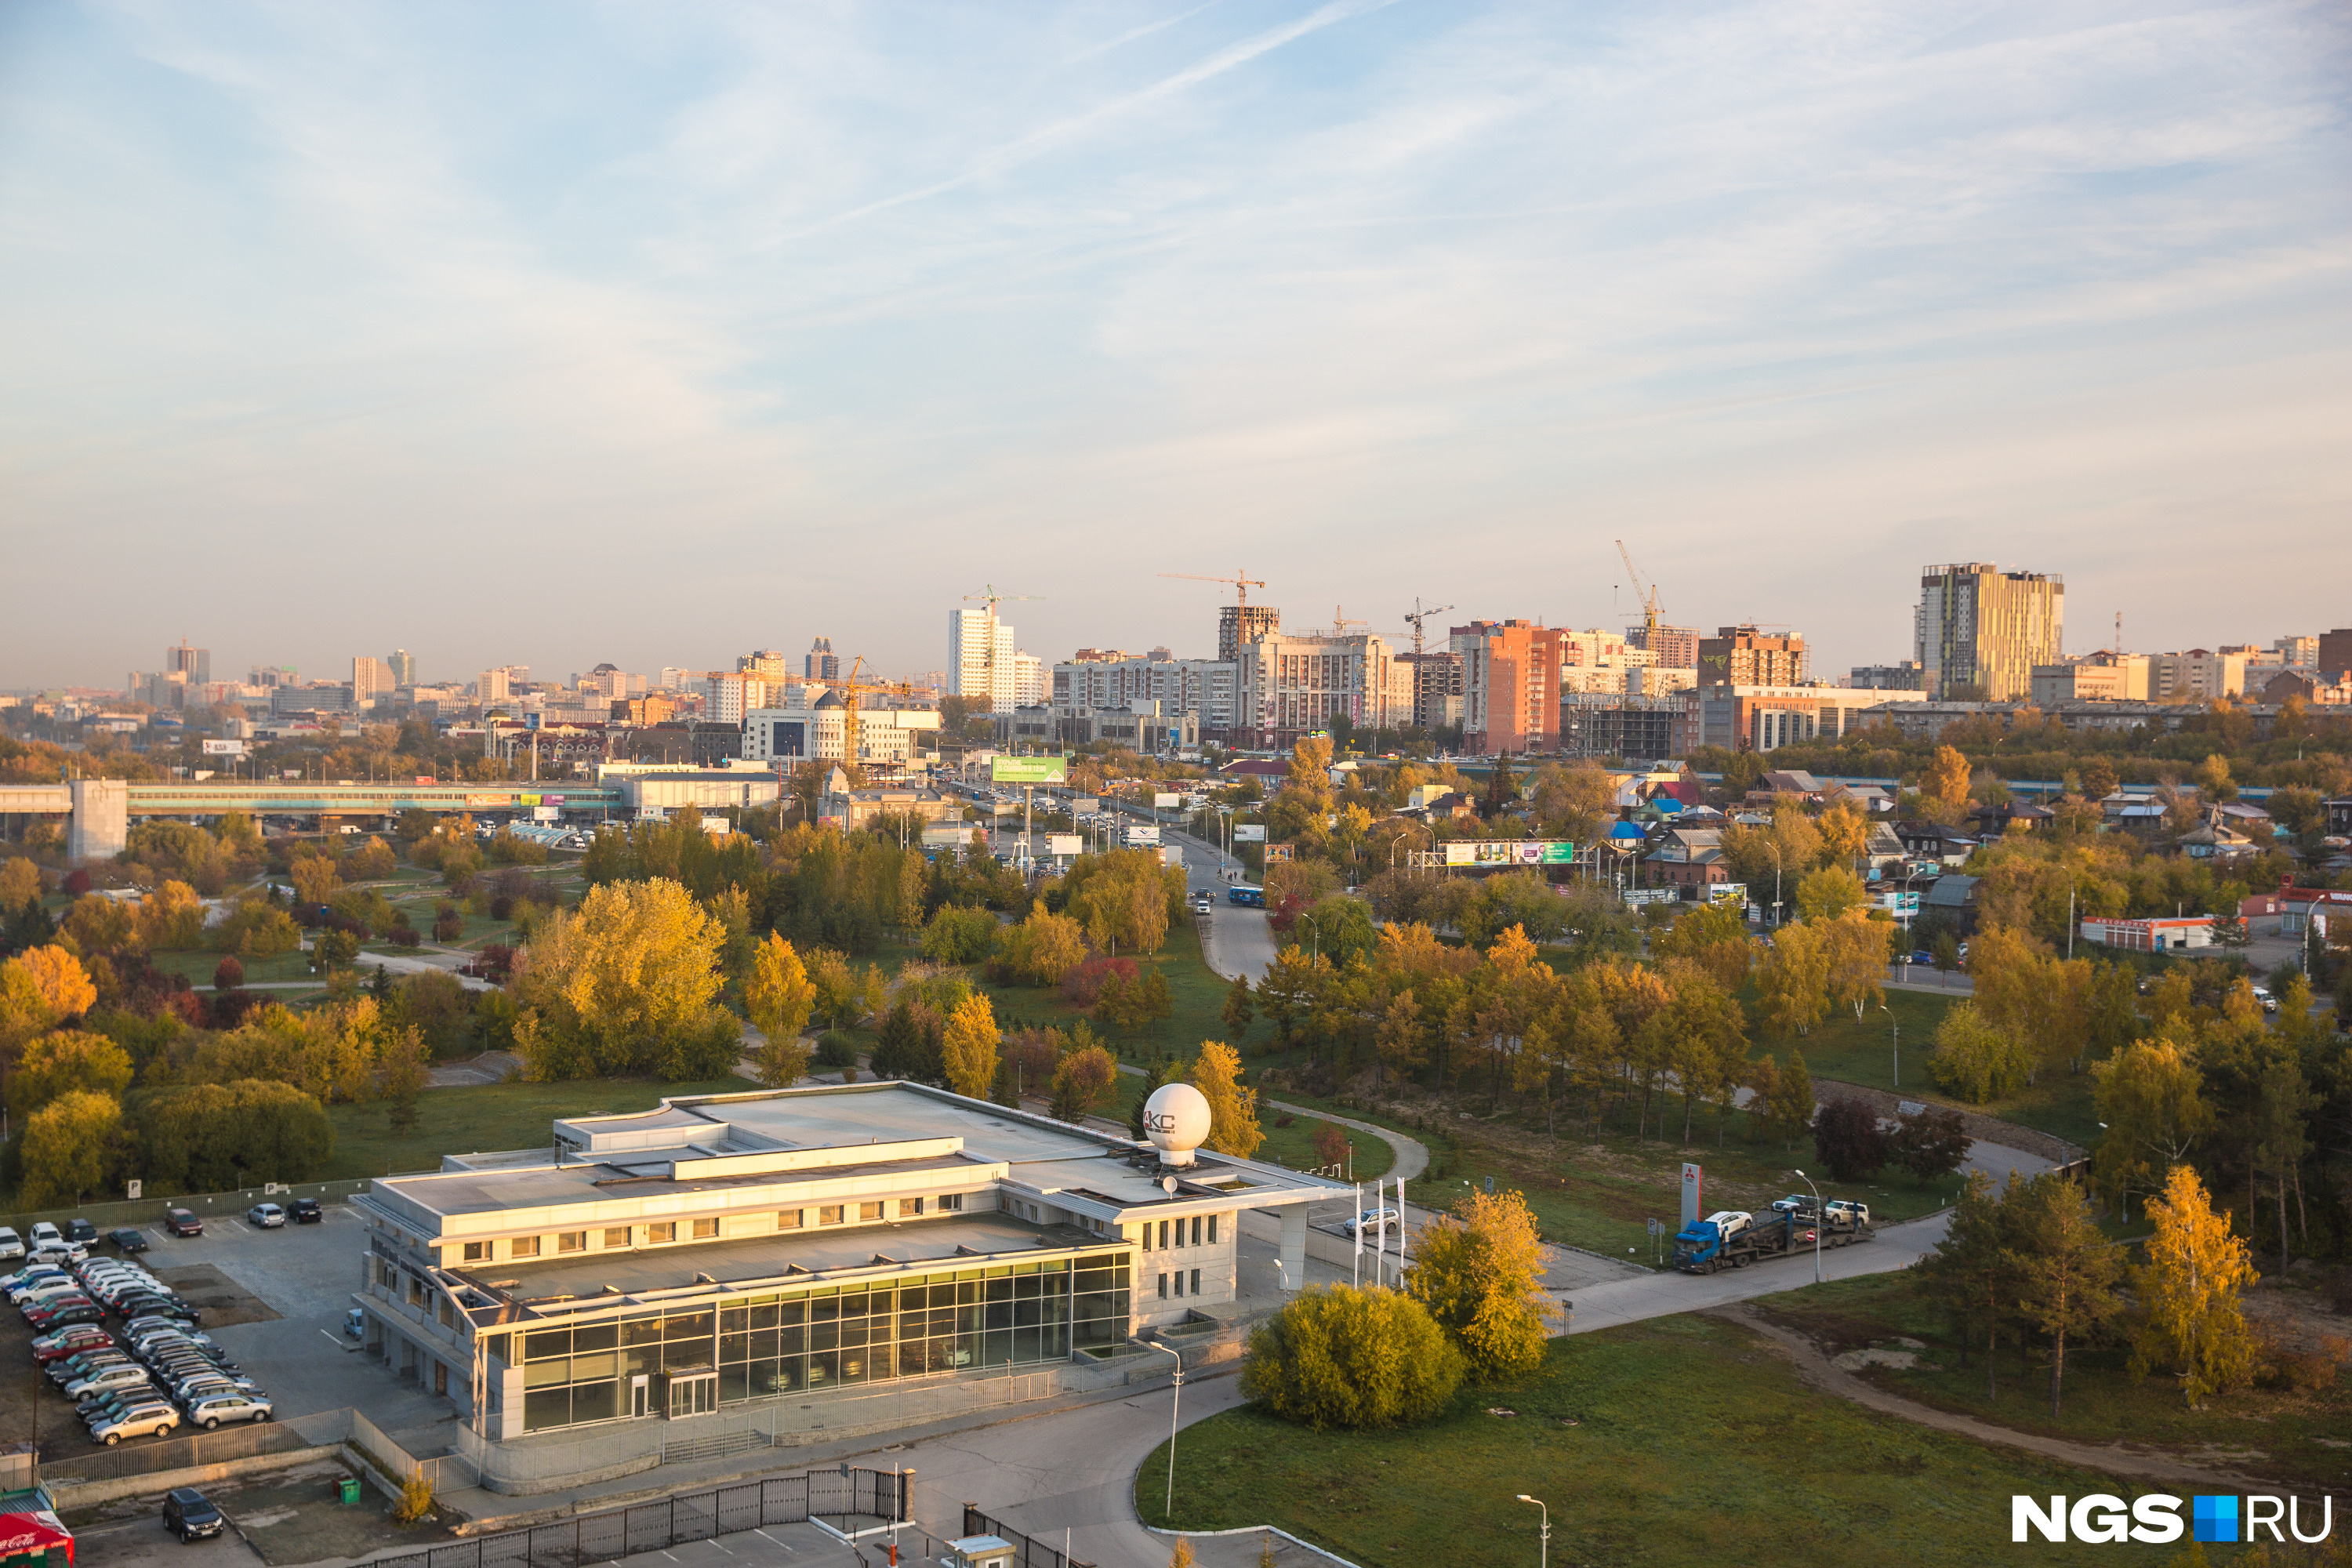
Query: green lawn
x,y
199,965
1198,998
488,1117
2100,1402
1693,1445
1863,1052
1294,1146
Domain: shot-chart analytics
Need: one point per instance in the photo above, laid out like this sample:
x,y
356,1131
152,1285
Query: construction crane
x,y
991,598
1243,582
1647,591
1341,621
851,689
1417,616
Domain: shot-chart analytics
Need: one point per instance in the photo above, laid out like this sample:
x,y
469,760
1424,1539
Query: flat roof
x,y
568,1283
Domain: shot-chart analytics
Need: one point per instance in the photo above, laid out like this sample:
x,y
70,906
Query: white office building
x,y
982,660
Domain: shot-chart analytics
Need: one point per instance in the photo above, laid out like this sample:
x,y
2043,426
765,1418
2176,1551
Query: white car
x,y
144,1421
58,1253
268,1216
1371,1221
11,1244
108,1381
43,1231
210,1412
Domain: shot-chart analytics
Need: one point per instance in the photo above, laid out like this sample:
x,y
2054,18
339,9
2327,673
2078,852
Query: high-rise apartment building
x,y
1978,625
492,686
821,663
1436,687
2199,675
1028,680
2335,653
1673,647
403,666
1292,686
1904,677
1743,656
196,663
980,657
370,678
1205,687
1238,626
767,663
1510,684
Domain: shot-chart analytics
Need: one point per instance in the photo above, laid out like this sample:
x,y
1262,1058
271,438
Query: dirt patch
x,y
220,1299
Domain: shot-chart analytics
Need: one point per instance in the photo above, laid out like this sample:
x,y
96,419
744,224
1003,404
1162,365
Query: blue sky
x,y
556,333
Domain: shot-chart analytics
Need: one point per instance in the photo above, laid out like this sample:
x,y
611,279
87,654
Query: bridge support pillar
x,y
102,820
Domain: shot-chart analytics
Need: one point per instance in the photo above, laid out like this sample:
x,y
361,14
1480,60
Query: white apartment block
x,y
1207,687
1028,680
818,730
728,695
1291,685
2199,675
983,658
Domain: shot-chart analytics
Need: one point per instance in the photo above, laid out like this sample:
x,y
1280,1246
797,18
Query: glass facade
x,y
827,1336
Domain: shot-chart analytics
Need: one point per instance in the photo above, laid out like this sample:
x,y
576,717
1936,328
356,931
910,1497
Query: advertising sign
x,y
1072,844
488,802
424,778
526,800
1029,770
1510,852
1249,832
1166,800
223,747
1276,853
1728,893
1691,1185
1085,805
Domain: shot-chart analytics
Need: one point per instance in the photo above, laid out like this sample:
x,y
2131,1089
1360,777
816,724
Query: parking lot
x,y
274,1300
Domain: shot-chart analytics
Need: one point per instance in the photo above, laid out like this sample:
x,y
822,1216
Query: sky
x,y
559,334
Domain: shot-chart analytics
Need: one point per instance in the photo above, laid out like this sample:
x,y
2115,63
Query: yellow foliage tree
x,y
68,1145
1853,960
1793,981
1946,778
780,996
1827,893
20,883
1478,1270
171,918
2149,1097
316,878
2189,1323
1233,1109
56,1064
968,1046
626,984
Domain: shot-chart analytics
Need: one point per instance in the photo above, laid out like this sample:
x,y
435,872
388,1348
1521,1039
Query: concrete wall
x,y
102,820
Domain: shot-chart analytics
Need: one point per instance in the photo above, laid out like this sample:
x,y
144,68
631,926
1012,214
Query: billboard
x,y
488,802
1249,832
1029,770
223,747
1510,852
1165,801
1070,844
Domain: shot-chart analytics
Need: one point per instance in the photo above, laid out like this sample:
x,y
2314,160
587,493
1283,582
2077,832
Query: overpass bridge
x,y
101,809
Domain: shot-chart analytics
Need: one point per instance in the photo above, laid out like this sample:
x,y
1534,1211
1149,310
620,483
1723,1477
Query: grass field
x,y
1863,1052
487,1117
199,965
1693,1446
1197,996
2299,1437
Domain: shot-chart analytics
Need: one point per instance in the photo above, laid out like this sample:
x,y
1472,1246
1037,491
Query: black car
x,y
304,1211
129,1239
189,1516
180,1222
80,1232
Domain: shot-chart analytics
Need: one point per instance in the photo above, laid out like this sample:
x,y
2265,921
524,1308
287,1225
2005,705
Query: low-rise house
x,y
1955,897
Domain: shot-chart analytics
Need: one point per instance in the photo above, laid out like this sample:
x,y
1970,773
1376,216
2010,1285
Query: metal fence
x,y
150,1210
852,1496
149,1459
1027,1551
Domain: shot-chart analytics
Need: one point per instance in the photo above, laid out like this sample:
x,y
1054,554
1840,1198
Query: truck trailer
x,y
1735,1238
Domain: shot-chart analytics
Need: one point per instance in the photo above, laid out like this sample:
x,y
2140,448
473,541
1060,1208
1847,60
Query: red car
x,y
180,1222
70,1341
66,1313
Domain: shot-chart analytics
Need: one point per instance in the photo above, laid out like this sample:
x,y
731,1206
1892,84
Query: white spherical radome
x,y
1176,1119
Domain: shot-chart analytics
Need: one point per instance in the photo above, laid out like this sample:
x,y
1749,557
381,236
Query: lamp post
x,y
1821,1217
1897,1022
1168,1509
1543,1556
1776,884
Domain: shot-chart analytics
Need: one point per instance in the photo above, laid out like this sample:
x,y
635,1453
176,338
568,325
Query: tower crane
x,y
1648,592
1417,616
1243,582
1341,621
851,689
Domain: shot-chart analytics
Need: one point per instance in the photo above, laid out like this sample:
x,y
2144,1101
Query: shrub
x,y
1084,985
1977,1060
448,923
1847,1134
959,936
1336,1356
836,1049
228,974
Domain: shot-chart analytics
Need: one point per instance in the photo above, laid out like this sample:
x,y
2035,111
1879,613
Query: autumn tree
x,y
1479,1270
1929,1143
1358,1359
626,983
401,1076
20,883
1233,1109
778,996
2149,1099
1240,1007
1853,960
1793,981
1826,894
1977,1060
2188,1321
1083,1079
58,1065
1849,1140
1946,779
1713,936
39,989
968,1046
69,1148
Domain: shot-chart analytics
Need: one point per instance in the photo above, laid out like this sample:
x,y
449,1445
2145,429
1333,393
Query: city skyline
x,y
815,320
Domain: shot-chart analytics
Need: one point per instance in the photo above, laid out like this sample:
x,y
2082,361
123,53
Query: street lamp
x,y
1821,1217
1776,883
1543,1558
1891,1018
1168,1509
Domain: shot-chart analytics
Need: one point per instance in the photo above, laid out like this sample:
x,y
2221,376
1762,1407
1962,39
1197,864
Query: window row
x,y
1178,1279
1181,1227
664,1233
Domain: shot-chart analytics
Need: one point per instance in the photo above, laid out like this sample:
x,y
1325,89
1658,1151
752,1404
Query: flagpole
x,y
1356,1226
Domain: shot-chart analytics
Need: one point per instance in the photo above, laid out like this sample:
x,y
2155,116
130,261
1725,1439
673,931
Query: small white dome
x,y
1176,1118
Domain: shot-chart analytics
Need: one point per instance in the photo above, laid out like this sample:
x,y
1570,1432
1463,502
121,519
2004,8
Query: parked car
x,y
209,1413
143,1421
355,1323
69,1343
43,1231
65,1313
80,1230
1372,1220
268,1217
128,1239
180,1222
188,1515
59,1254
106,1380
11,1244
305,1211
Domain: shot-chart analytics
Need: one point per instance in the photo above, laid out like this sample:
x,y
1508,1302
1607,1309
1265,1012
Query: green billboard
x,y
1029,770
